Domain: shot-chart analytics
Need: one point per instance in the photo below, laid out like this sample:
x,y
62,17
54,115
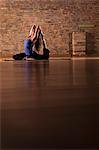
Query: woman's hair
x,y
39,43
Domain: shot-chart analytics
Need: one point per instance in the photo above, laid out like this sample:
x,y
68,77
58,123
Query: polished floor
x,y
49,104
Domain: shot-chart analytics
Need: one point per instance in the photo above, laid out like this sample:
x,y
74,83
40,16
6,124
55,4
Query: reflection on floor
x,y
49,104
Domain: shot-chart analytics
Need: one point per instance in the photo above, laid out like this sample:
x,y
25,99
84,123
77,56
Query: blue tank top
x,y
28,47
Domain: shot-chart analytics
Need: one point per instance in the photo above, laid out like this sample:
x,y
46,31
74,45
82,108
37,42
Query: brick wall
x,y
57,18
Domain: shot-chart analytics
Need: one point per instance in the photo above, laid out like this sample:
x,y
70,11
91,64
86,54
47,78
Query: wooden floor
x,y
49,104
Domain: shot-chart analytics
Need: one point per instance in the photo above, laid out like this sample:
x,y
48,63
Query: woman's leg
x,y
19,56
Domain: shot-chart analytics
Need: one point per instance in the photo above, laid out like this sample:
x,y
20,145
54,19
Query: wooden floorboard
x,y
49,104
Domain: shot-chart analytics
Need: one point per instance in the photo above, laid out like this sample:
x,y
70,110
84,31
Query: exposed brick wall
x,y
57,18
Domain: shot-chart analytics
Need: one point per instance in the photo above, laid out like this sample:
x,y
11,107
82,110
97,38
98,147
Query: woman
x,y
33,45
